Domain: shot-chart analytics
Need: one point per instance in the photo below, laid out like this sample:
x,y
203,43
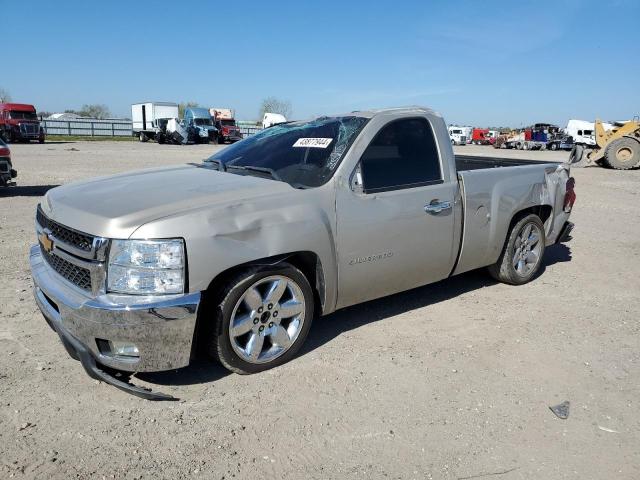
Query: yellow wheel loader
x,y
618,148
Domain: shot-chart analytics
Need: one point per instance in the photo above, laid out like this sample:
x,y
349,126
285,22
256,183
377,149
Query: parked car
x,y
7,173
239,254
149,118
19,123
200,120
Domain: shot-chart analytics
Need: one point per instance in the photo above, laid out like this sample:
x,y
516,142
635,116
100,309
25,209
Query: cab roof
x,y
410,110
20,107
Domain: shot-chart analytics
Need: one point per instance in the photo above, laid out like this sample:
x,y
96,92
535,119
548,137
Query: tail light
x,y
4,152
570,194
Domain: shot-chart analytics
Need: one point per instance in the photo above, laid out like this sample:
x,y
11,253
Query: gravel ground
x,y
450,381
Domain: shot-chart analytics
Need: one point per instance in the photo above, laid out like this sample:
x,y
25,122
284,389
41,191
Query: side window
x,y
403,154
579,132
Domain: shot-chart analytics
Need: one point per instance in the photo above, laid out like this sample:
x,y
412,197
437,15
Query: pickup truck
x,y
235,256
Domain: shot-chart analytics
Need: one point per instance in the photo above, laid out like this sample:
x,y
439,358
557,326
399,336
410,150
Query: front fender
x,y
224,236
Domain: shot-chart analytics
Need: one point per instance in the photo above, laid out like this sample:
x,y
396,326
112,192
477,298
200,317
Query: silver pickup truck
x,y
236,255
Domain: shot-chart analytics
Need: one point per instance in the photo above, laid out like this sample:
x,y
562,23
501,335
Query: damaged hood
x,y
115,206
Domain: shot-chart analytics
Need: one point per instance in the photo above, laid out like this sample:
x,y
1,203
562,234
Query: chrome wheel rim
x,y
527,249
267,319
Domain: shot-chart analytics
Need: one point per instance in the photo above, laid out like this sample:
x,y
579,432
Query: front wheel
x,y
263,318
521,256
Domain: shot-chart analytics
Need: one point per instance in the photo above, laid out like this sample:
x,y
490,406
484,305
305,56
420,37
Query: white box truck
x,y
147,118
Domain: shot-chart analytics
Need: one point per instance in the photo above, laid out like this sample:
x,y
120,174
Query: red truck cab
x,y
480,136
19,123
225,122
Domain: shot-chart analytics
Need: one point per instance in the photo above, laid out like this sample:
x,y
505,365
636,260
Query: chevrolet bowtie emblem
x,y
46,242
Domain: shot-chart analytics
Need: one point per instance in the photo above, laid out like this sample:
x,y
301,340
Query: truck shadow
x,y
200,371
26,191
327,328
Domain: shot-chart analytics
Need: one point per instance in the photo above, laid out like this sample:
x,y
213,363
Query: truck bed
x,y
471,162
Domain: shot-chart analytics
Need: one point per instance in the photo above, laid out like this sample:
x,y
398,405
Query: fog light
x,y
124,349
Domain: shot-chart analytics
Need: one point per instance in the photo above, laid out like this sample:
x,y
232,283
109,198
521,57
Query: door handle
x,y
436,207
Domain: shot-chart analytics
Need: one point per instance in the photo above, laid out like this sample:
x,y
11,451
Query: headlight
x,y
146,267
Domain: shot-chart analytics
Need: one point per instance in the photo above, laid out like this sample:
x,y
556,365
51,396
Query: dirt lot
x,y
448,381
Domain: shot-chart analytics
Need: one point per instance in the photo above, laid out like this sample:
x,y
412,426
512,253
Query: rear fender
x,y
494,197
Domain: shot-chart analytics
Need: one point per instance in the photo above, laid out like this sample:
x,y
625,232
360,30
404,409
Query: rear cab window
x,y
403,154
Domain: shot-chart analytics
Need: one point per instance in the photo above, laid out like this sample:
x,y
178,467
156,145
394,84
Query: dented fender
x,y
492,197
231,233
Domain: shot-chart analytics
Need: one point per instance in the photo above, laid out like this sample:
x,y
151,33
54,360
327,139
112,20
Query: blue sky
x,y
478,63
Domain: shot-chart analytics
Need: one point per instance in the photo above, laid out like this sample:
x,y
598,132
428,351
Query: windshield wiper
x,y
218,163
252,168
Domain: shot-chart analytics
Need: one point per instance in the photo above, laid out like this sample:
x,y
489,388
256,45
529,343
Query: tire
x,y
517,265
623,153
262,325
576,155
143,137
554,146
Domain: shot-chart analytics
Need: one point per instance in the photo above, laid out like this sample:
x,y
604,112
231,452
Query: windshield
x,y
303,154
202,121
18,115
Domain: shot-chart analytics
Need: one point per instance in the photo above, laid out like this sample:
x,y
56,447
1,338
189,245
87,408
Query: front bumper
x,y
162,327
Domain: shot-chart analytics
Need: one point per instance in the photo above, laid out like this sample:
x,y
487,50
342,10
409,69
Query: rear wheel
x,y
554,146
263,318
623,153
143,137
522,254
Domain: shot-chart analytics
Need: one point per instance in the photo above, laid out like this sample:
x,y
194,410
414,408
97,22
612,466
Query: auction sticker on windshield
x,y
313,142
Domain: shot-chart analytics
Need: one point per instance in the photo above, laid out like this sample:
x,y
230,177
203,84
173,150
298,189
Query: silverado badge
x,y
46,242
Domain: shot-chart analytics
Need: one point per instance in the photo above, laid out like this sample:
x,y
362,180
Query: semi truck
x,y
225,122
149,118
19,123
457,135
199,120
236,256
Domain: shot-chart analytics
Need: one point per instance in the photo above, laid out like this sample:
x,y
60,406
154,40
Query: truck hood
x,y
116,206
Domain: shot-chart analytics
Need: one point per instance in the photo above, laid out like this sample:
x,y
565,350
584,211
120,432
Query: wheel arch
x,y
543,211
307,262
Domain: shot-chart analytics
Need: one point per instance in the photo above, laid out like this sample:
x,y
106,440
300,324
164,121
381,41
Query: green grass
x,y
82,138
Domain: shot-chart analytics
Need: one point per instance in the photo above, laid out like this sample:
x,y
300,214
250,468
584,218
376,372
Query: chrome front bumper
x,y
162,327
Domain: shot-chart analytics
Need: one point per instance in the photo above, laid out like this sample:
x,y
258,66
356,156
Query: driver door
x,y
395,224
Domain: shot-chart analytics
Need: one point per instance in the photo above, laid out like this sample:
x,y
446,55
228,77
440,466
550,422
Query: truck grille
x,y
77,275
29,128
79,240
